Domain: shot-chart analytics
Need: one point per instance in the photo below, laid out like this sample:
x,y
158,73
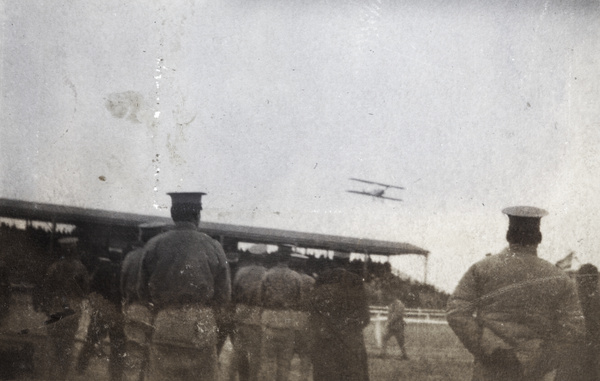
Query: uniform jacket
x,y
339,312
65,285
247,285
396,315
515,300
281,288
184,266
247,292
308,283
130,271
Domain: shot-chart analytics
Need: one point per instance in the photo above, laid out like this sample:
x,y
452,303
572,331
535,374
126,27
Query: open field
x,y
435,354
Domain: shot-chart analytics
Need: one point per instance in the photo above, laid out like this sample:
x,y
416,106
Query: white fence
x,y
411,315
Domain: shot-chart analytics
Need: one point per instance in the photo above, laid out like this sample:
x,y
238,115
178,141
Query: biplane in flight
x,y
376,193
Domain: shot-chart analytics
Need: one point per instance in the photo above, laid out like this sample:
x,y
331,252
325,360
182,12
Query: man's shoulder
x,y
307,279
182,235
133,256
284,270
251,271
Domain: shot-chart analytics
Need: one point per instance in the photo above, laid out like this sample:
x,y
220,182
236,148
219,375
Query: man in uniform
x,y
516,313
137,316
395,327
339,313
589,298
185,278
281,292
65,286
247,295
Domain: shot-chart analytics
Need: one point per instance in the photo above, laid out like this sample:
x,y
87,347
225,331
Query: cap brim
x,y
525,211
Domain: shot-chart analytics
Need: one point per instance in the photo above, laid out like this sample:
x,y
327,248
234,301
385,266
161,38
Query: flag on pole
x,y
566,262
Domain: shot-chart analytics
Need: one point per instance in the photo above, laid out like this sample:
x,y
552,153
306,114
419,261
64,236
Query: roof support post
x,y
52,234
425,269
366,265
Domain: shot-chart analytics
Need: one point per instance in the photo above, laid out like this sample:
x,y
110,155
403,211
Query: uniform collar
x,y
521,250
185,225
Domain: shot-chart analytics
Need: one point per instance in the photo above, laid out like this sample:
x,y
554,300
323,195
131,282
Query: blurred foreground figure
x,y
303,335
5,290
516,313
395,327
247,295
185,278
136,315
106,318
281,293
589,297
225,321
65,286
339,313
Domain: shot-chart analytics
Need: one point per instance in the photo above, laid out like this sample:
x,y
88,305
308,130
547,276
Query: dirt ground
x,y
434,354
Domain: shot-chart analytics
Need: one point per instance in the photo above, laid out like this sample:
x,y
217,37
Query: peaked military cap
x,y
524,211
186,197
524,224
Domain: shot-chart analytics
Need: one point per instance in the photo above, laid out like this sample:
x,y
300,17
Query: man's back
x,y
105,281
518,302
396,313
519,295
130,269
185,266
282,288
67,279
247,285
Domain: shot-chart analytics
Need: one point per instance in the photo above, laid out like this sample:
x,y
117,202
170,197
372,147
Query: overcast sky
x,y
270,107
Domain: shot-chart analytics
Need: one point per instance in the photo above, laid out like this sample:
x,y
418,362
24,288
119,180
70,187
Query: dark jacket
x,y
184,266
338,314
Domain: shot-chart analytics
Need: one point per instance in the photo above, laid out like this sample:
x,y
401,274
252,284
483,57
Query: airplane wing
x,y
390,198
374,183
358,192
372,195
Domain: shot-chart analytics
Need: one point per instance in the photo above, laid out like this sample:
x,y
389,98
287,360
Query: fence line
x,y
411,315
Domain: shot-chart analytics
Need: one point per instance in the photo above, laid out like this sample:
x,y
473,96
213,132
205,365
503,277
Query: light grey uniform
x,y
517,301
281,296
137,318
247,291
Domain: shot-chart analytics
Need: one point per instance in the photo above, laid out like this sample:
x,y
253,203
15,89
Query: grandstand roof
x,y
27,210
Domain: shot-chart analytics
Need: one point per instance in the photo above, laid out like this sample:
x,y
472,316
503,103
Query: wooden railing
x,y
411,315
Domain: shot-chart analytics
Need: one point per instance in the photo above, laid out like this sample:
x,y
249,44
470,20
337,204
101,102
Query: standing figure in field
x,y
247,296
281,292
339,313
185,279
65,286
136,315
395,327
516,313
589,297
